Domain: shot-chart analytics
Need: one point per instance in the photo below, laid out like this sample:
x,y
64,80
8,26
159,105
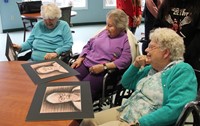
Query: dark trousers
x,y
96,80
132,29
149,20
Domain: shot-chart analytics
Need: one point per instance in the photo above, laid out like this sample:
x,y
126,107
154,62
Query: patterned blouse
x,y
147,97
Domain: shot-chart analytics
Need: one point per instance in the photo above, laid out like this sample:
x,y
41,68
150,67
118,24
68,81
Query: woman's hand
x,y
78,62
138,20
16,47
141,61
50,56
96,69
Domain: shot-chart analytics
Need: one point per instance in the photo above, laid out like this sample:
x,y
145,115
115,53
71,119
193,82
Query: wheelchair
x,y
110,86
190,108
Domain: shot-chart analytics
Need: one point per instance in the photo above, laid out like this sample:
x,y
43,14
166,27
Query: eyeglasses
x,y
150,47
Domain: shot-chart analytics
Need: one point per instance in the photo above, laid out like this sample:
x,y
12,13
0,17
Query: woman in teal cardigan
x,y
162,85
50,37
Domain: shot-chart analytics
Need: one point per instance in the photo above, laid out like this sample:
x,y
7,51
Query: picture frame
x,y
46,106
10,53
48,70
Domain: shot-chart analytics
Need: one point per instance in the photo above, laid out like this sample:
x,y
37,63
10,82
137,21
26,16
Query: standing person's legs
x,y
133,29
148,26
104,118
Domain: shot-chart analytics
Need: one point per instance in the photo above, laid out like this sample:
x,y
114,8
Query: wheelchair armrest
x,y
112,85
191,107
116,71
142,40
65,56
67,53
111,81
24,56
112,71
75,55
73,58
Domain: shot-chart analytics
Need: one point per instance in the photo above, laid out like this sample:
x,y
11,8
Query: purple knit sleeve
x,y
125,59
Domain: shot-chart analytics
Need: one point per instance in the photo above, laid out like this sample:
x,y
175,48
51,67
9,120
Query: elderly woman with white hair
x,y
49,37
162,85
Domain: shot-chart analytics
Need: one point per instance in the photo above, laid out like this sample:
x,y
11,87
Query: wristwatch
x,y
105,67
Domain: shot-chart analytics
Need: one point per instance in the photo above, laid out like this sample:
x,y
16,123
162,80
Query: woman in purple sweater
x,y
109,49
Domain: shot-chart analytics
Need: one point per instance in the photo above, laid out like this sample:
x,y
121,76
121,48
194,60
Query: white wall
x,y
0,25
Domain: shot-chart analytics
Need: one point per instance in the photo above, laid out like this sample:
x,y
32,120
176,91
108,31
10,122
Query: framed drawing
x,y
48,70
61,101
10,52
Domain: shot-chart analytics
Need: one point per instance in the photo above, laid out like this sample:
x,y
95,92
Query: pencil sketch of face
x,y
48,69
61,99
11,54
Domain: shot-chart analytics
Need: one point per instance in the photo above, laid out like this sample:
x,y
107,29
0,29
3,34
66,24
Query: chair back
x,y
133,44
66,14
29,7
